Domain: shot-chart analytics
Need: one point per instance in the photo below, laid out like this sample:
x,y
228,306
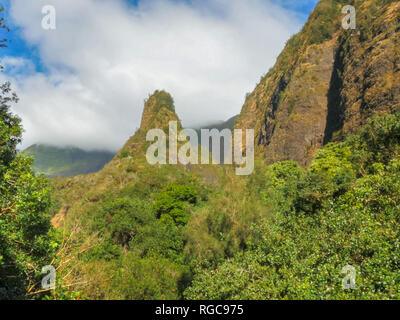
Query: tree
x,y
26,243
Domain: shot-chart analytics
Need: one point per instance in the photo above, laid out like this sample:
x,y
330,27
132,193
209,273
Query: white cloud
x,y
105,57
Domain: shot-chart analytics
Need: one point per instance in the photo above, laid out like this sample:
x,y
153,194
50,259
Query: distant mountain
x,y
221,125
66,162
228,124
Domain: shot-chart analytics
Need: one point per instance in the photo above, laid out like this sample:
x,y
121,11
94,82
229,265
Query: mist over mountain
x,y
88,67
219,125
66,161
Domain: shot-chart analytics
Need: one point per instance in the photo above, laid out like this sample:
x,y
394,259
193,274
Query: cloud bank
x,y
106,56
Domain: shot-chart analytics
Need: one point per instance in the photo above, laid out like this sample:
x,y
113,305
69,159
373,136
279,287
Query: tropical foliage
x,y
343,210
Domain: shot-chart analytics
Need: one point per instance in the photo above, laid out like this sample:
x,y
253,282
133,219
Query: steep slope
x,y
158,111
124,225
327,82
55,161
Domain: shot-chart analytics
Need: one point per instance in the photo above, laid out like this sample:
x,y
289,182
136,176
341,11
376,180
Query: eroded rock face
x,y
322,89
158,111
301,116
371,70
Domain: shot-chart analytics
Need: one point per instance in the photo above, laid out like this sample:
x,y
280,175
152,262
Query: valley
x,y
323,194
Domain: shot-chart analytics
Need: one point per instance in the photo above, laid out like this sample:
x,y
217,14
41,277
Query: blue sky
x,y
89,77
16,45
304,7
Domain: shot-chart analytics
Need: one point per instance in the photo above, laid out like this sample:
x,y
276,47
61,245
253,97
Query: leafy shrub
x,y
171,202
153,277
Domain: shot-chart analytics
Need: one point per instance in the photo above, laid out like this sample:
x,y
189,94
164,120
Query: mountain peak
x,y
158,111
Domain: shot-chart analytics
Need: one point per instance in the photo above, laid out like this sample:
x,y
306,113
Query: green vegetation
x,y
343,210
170,203
136,231
281,233
324,21
66,162
27,242
164,100
136,237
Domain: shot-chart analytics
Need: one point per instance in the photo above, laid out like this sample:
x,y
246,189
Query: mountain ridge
x,y
66,161
318,91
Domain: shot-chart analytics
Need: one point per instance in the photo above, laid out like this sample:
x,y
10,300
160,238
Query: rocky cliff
x,y
158,111
327,81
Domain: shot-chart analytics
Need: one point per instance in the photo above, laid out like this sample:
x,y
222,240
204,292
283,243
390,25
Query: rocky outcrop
x,y
158,111
327,82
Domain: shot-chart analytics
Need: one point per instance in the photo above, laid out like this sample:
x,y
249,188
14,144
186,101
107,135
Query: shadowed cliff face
x,y
327,82
370,62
